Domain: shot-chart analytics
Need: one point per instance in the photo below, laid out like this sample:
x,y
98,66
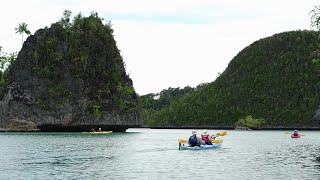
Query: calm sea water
x,y
154,154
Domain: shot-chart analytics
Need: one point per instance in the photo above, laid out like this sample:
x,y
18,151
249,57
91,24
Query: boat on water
x,y
201,147
216,143
183,145
295,136
102,132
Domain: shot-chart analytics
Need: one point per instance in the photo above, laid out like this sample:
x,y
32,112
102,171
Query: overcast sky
x,y
168,43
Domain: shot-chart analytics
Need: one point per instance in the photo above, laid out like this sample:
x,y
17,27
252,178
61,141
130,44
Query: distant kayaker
x,y
194,140
205,136
295,133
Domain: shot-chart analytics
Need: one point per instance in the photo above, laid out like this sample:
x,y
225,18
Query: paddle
x,y
182,141
224,133
292,133
288,132
217,141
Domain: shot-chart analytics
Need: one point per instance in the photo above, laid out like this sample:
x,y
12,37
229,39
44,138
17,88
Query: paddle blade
x,y
224,133
182,141
217,141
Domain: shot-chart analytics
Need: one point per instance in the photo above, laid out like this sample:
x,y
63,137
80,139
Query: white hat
x,y
194,132
205,131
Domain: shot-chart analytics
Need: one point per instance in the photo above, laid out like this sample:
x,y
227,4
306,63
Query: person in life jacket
x,y
295,133
205,136
194,140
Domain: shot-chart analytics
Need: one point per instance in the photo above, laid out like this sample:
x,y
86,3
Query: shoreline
x,y
234,128
186,127
61,128
19,130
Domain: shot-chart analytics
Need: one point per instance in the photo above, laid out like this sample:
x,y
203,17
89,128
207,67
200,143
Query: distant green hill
x,y
273,78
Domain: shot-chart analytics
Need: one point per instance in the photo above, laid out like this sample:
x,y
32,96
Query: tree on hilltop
x,y
22,29
315,17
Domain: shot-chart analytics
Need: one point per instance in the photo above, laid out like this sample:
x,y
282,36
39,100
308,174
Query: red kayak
x,y
297,136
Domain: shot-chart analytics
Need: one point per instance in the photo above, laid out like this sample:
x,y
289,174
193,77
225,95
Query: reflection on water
x,y
154,154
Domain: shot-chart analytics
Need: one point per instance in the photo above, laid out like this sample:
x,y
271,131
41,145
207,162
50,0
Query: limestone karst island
x,y
69,77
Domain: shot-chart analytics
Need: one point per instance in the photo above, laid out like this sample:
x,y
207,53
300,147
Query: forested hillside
x,y
274,78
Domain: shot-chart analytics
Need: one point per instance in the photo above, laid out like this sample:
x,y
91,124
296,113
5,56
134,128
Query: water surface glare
x,y
154,154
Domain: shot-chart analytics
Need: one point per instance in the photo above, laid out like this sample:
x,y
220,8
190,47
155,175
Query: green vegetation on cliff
x,y
5,63
86,49
83,45
275,79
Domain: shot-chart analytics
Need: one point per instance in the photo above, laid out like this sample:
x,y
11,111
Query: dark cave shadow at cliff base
x,y
233,128
83,128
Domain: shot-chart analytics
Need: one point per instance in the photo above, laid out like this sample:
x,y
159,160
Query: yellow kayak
x,y
103,132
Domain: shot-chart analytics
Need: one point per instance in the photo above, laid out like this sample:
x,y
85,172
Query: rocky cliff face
x,y
70,78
